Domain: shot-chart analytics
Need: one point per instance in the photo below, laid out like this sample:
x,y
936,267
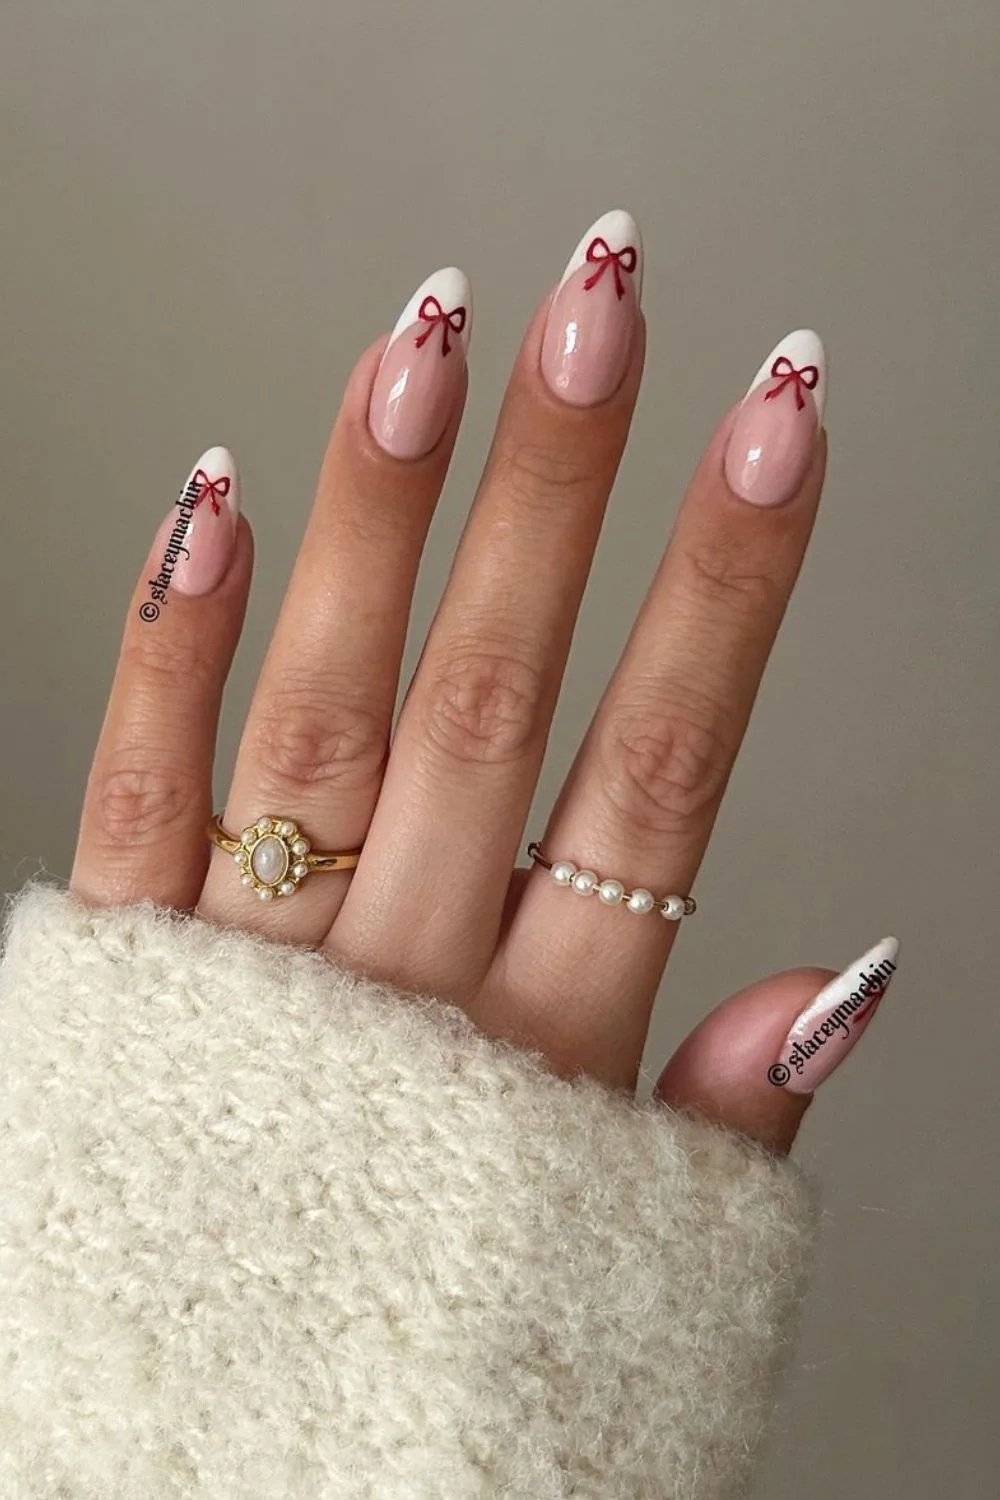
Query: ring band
x,y
612,892
274,857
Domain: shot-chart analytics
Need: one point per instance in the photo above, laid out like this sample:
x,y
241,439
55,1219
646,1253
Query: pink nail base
x,y
414,393
771,444
588,335
194,543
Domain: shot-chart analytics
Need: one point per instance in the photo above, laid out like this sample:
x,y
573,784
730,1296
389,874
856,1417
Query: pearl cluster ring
x,y
274,858
612,892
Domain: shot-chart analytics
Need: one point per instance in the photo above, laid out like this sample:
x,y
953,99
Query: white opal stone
x,y
270,860
611,892
563,872
673,908
640,901
301,846
584,881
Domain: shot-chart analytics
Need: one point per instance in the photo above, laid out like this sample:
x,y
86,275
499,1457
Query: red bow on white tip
x,y
785,371
600,253
210,489
432,313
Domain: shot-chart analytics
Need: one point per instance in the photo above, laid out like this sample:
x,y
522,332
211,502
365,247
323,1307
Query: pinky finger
x,y
149,793
754,1063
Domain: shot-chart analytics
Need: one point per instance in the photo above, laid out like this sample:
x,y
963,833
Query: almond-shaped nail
x,y
194,545
420,377
591,323
775,431
838,1017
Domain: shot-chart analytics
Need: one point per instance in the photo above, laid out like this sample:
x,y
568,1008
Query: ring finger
x,y
317,733
639,804
468,747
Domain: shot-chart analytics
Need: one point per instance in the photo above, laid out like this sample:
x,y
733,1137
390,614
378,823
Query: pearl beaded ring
x,y
612,892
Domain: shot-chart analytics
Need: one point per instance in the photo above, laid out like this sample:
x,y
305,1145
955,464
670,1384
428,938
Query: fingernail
x,y
775,432
588,334
420,377
195,542
828,1028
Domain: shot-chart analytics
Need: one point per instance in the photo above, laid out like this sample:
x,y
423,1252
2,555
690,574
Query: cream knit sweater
x,y
269,1231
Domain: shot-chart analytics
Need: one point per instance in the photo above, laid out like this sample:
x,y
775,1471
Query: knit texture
x,y
269,1231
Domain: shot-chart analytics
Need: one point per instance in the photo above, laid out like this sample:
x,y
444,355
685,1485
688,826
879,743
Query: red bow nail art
x,y
600,253
875,998
433,313
785,371
210,489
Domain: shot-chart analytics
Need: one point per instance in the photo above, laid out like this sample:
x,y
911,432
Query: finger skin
x,y
317,733
642,797
721,1069
148,796
472,734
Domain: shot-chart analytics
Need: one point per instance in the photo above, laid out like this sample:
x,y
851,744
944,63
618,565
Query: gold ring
x,y
274,857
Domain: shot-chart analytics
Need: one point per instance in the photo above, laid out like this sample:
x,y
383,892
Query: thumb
x,y
754,1062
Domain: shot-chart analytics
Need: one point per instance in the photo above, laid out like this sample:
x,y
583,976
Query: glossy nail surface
x,y
828,1029
775,432
591,323
194,544
420,377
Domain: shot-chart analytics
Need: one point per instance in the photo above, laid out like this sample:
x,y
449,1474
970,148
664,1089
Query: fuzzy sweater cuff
x,y
271,1230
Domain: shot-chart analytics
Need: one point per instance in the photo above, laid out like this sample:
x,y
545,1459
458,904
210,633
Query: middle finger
x,y
468,748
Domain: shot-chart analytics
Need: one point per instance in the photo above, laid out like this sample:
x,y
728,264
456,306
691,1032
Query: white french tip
x,y
886,948
216,465
884,951
864,968
451,288
803,347
618,229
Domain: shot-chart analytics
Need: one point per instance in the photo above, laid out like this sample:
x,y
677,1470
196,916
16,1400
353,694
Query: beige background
x,y
210,208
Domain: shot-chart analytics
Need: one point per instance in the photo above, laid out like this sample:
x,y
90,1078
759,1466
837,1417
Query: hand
x,y
433,904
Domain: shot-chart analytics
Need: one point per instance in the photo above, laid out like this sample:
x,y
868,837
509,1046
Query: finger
x,y
148,797
642,797
746,1066
317,733
472,733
